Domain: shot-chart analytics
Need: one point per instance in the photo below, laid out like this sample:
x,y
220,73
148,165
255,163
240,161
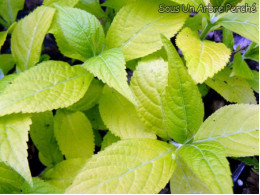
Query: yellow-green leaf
x,y
3,34
9,9
109,66
120,116
137,166
28,37
148,84
203,58
108,140
138,25
69,3
13,143
50,85
74,128
236,127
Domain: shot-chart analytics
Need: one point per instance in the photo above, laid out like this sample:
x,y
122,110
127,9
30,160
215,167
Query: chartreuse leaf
x,y
91,97
79,34
13,147
206,163
240,68
63,174
95,118
236,127
10,181
50,85
40,187
138,25
74,128
254,83
9,9
233,89
3,34
69,3
228,38
28,36
195,3
6,63
116,4
224,3
184,109
148,84
108,140
42,135
120,116
93,7
109,66
244,24
252,53
203,58
6,81
136,166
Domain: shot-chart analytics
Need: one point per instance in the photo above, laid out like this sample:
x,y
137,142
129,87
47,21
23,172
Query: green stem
x,y
3,23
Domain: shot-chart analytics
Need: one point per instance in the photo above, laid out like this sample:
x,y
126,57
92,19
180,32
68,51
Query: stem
x,y
206,31
3,23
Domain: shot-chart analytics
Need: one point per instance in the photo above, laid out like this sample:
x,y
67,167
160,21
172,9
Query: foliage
x,y
154,123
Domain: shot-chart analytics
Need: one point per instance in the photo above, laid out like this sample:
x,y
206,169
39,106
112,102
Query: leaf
x,y
3,34
13,147
6,63
117,4
40,187
252,53
203,58
233,89
140,170
74,128
93,7
120,116
228,39
108,140
148,84
50,85
109,66
91,97
9,9
69,3
254,83
63,174
95,118
209,164
137,27
42,135
10,181
244,24
6,81
236,127
184,109
28,37
79,34
240,68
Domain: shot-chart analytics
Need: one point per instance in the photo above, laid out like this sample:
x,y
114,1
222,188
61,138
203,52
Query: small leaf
x,y
233,89
42,135
203,58
228,39
209,164
63,174
252,53
74,128
117,4
109,66
120,116
137,166
3,34
240,68
69,3
148,84
236,127
93,7
13,147
6,63
28,37
254,83
9,9
108,140
95,118
50,85
184,109
79,34
137,27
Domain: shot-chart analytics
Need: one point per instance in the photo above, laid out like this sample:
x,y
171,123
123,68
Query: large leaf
x,y
137,166
148,84
79,34
203,58
42,135
236,127
13,147
69,3
233,89
9,9
184,109
74,128
207,162
28,37
120,116
245,24
63,174
50,85
138,25
109,66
